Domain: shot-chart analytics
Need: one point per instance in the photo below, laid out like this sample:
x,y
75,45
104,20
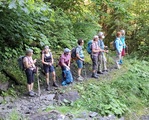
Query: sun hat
x,y
66,50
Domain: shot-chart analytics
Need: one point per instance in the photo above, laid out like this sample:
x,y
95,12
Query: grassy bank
x,y
123,92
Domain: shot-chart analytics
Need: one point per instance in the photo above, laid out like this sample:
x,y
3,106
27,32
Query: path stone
x,y
93,114
48,97
4,86
69,96
145,117
1,99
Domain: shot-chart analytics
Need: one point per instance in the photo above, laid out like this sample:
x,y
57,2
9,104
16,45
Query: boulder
x,y
4,86
68,96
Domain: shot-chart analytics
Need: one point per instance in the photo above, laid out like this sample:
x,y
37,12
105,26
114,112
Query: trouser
x,y
102,61
118,58
94,62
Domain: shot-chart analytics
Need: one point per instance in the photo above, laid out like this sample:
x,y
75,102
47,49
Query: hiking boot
x,y
31,94
80,78
48,88
55,84
94,76
99,72
105,70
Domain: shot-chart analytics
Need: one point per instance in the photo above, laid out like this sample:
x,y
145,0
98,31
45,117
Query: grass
x,y
122,92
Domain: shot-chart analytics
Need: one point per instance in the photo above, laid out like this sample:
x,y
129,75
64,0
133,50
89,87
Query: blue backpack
x,y
89,46
67,79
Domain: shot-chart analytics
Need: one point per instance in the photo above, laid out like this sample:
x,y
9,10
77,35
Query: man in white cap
x,y
102,61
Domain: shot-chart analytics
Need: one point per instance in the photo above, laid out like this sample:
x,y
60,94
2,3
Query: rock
x,y
9,99
69,96
48,97
4,86
93,114
1,100
145,117
52,115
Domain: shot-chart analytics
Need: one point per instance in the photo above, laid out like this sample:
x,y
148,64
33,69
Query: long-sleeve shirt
x,y
119,45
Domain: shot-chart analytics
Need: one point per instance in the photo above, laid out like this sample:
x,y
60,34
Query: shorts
x,y
48,69
30,76
94,61
123,52
79,63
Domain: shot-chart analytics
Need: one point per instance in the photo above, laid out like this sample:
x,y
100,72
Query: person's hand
x,y
67,67
107,51
82,60
35,60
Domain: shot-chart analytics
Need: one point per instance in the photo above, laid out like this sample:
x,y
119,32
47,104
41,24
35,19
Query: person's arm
x,y
46,63
69,61
52,60
63,63
117,46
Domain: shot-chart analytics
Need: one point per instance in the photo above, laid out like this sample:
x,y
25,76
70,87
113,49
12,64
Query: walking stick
x,y
39,91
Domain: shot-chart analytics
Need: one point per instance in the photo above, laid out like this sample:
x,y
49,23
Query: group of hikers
x,y
95,48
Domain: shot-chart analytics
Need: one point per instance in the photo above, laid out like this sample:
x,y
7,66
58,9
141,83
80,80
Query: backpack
x,y
73,53
67,77
20,63
89,47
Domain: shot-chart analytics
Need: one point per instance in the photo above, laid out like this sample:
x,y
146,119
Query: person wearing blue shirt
x,y
119,47
102,61
80,60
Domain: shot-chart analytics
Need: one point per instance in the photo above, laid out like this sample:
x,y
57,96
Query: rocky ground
x,y
35,108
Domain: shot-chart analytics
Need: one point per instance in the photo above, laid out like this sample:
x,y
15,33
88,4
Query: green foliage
x,y
3,78
125,93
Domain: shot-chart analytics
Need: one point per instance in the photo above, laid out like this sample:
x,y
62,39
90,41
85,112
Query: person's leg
x,y
29,81
100,64
80,66
52,70
95,63
104,63
118,58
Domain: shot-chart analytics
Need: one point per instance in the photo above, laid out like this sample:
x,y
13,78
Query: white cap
x,y
96,36
46,47
100,34
66,50
122,31
29,51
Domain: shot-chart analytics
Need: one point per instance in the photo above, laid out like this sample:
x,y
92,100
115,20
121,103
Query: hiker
x,y
118,46
94,56
80,58
30,70
64,62
102,61
124,45
47,60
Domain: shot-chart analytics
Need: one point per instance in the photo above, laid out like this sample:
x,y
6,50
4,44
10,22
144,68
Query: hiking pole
x,y
39,91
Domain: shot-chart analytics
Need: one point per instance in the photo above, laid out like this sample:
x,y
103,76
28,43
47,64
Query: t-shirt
x,y
64,59
80,51
123,41
101,44
96,47
29,60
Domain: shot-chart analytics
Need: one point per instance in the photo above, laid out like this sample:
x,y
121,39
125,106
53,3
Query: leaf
x,y
12,5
